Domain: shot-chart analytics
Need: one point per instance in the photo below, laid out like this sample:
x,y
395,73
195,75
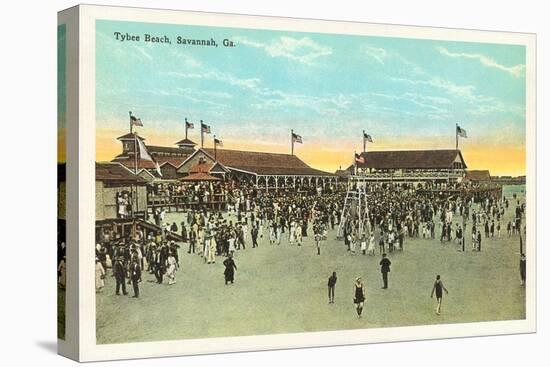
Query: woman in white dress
x,y
353,243
120,204
99,276
212,250
364,245
291,232
231,241
298,235
370,249
172,268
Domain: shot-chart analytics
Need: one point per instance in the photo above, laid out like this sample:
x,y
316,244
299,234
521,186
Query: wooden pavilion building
x,y
268,171
412,166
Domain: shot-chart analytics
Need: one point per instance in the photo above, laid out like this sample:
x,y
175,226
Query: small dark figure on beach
x,y
385,269
331,285
438,288
230,268
359,299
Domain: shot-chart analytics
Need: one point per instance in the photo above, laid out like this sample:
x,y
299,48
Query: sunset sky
x,y
406,93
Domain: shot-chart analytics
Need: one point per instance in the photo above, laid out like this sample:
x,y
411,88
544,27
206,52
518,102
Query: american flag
x,y
218,142
205,128
359,158
297,138
461,132
189,125
367,137
135,121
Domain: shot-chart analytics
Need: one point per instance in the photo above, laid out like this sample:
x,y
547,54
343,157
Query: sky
x,y
406,93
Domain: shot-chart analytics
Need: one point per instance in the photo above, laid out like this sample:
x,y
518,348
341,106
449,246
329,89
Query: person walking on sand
x,y
385,269
230,268
522,268
438,288
331,285
359,299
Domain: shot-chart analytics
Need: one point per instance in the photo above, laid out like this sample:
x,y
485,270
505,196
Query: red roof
x,y
262,163
201,168
115,172
411,159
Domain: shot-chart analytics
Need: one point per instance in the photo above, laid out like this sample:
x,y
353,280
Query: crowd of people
x,y
252,218
396,212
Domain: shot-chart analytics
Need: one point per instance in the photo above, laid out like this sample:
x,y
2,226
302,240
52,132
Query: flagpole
x,y
364,142
186,128
202,136
456,136
355,162
215,149
131,125
135,154
291,142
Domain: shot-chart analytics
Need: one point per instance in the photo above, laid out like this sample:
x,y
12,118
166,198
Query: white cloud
x,y
250,83
516,70
143,53
303,50
463,91
188,61
376,53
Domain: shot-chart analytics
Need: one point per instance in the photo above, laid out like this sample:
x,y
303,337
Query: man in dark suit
x,y
479,240
331,285
135,275
385,269
119,272
254,234
160,264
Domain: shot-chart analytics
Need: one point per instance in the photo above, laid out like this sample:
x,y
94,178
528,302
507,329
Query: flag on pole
x,y
134,121
359,158
205,128
461,132
367,137
189,125
218,142
144,154
297,138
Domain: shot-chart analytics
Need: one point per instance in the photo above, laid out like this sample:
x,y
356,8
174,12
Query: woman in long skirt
x,y
99,276
172,268
359,299
229,271
370,249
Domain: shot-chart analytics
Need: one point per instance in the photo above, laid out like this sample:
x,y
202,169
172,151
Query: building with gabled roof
x,y
168,158
443,165
265,170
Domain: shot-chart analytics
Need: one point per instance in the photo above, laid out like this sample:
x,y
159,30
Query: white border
x,y
87,339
